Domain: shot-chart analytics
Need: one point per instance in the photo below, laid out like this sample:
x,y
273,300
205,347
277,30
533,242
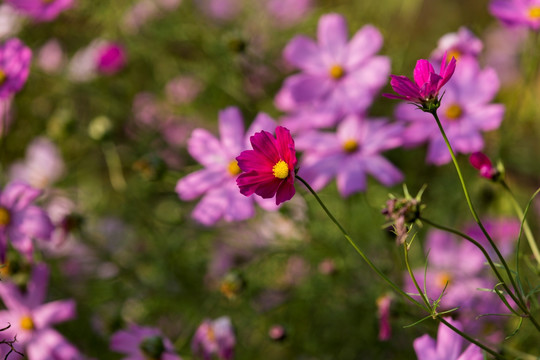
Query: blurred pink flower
x,y
41,10
142,343
110,58
383,313
20,221
10,21
50,57
217,181
31,320
288,12
337,75
448,346
268,170
183,89
15,60
214,339
42,166
517,12
503,47
456,45
220,9
425,89
350,154
465,112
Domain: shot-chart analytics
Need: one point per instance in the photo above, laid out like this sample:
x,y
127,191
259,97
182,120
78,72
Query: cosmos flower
x,y
217,181
214,339
110,58
142,343
425,89
350,154
14,66
41,10
447,347
268,169
31,319
464,114
336,74
20,221
517,12
458,44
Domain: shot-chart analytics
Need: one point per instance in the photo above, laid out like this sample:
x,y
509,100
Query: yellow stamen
x,y
27,323
453,53
337,72
233,168
3,76
281,169
5,217
211,335
454,111
534,12
350,146
443,279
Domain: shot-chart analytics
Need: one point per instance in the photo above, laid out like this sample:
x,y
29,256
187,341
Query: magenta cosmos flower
x,y
217,181
424,90
142,343
483,164
517,12
31,320
268,169
14,66
214,339
20,220
465,113
350,154
337,75
41,10
110,58
448,346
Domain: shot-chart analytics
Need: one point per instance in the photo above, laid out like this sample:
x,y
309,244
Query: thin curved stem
x,y
473,211
355,246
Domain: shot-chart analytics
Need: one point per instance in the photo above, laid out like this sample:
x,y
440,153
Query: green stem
x,y
353,244
526,228
483,250
464,335
473,211
385,278
411,274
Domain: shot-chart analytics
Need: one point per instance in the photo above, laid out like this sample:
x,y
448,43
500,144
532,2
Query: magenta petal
x,y
249,182
422,71
404,86
285,144
448,342
33,222
285,192
269,188
306,88
447,72
424,347
264,143
250,160
18,195
53,312
479,160
364,44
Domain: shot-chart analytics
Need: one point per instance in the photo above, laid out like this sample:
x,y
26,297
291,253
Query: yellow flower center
x,y
534,12
211,335
27,323
443,279
453,53
281,169
350,146
233,168
337,72
454,111
3,76
5,218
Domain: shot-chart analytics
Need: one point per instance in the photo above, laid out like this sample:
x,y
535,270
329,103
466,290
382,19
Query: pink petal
x,y
199,182
383,170
53,312
205,148
424,346
285,192
303,53
422,72
231,129
364,44
448,342
332,33
265,144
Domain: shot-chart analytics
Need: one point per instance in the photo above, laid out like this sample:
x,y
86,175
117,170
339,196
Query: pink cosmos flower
x,y
464,114
448,346
41,10
51,57
20,221
217,181
383,313
482,163
268,169
110,58
337,75
456,45
425,89
350,154
288,12
42,166
142,343
517,12
214,339
14,66
31,320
